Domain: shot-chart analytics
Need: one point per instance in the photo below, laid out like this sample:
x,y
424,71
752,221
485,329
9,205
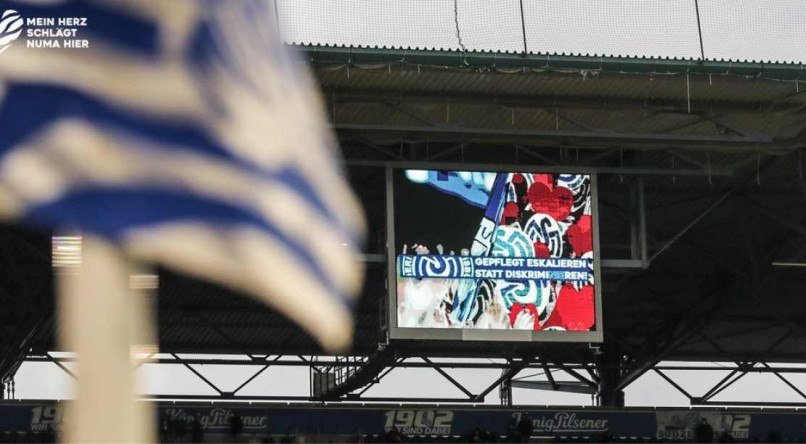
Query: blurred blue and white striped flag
x,y
187,135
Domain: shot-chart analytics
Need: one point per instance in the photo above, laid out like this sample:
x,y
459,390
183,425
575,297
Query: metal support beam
x,y
533,136
699,402
568,387
256,374
786,381
802,171
674,384
508,374
184,397
767,165
567,369
640,171
608,392
481,364
722,385
543,101
505,381
61,366
375,381
638,250
14,357
549,376
379,258
251,378
448,377
622,263
199,375
505,393
714,205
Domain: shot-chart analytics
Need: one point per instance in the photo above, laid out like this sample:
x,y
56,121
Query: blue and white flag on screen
x,y
183,132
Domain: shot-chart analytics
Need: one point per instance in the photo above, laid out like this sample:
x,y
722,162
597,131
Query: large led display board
x,y
509,256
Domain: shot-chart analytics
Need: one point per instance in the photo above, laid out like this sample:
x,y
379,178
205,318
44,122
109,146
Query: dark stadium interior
x,y
715,149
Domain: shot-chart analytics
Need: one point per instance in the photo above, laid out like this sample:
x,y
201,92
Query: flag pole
x,y
101,319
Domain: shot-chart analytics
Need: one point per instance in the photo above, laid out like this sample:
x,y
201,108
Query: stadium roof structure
x,y
763,31
702,187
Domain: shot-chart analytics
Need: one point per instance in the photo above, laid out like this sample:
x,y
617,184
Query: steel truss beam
x,y
13,358
266,363
581,385
409,362
59,363
680,331
19,336
449,378
735,374
510,370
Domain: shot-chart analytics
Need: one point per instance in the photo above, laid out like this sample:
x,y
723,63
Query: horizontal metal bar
x,y
373,258
533,135
622,263
544,101
789,264
416,364
694,401
569,387
641,171
411,399
226,396
749,370
700,402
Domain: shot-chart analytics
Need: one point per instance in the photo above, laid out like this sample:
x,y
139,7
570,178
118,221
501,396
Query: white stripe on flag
x,y
251,262
273,121
60,156
280,122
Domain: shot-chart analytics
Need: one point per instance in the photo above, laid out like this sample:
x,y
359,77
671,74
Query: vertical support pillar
x,y
609,363
505,392
638,248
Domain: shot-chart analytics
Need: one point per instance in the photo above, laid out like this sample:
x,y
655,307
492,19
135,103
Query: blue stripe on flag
x,y
29,108
110,212
212,43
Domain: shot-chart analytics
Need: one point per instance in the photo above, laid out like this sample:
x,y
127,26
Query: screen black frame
x,y
469,334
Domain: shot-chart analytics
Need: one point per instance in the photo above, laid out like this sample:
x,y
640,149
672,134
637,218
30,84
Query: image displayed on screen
x,y
486,250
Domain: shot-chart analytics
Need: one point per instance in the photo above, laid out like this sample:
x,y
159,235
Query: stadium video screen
x,y
495,252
